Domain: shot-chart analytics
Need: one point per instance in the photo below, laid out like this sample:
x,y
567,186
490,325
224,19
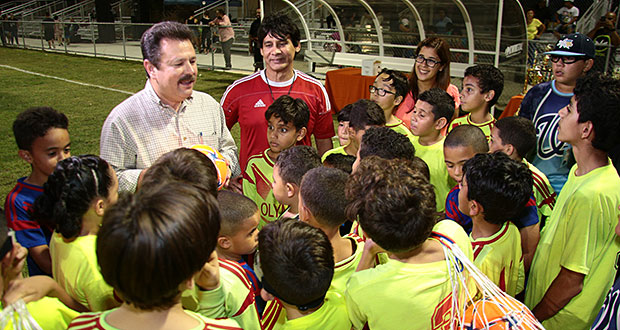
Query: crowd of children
x,y
363,237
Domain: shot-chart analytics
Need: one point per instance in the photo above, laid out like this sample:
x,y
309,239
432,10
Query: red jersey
x,y
247,99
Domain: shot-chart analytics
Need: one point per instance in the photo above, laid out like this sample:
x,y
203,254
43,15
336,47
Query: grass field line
x,y
65,80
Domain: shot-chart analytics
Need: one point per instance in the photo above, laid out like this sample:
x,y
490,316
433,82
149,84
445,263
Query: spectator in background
x,y
48,30
444,24
227,35
206,34
192,23
13,30
604,35
58,30
4,29
254,44
566,17
535,27
541,11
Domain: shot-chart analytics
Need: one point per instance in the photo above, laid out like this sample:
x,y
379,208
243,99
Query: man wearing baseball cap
x,y
571,58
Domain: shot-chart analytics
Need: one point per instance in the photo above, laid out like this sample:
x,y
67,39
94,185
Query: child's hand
x,y
29,289
372,248
13,263
209,276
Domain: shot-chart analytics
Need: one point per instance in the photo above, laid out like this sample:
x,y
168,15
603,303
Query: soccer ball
x,y
221,164
499,313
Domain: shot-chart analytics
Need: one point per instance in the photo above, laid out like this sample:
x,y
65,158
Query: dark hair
x,y
297,261
294,162
340,161
290,110
234,210
420,165
598,97
185,165
393,202
150,242
151,39
69,192
322,192
467,136
344,113
441,101
489,78
365,113
399,82
386,143
443,77
501,185
220,11
34,123
519,132
281,27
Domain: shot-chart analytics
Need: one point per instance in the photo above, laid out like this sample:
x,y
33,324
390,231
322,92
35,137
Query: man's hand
x,y
209,276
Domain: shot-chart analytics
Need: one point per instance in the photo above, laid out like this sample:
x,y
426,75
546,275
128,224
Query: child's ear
x,y
489,95
223,242
266,295
99,207
25,155
509,149
587,131
301,134
291,189
398,100
441,123
475,208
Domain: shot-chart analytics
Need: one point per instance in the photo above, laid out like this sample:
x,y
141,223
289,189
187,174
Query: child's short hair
x,y
289,110
441,101
365,113
151,242
294,162
34,123
297,262
345,113
501,185
420,165
518,132
386,143
69,192
183,164
322,192
340,161
234,210
598,97
394,203
399,81
489,78
467,136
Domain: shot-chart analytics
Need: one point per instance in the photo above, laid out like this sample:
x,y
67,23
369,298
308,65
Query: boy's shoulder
x,y
499,246
335,151
331,315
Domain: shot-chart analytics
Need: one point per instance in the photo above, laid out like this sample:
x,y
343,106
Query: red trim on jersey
x,y
24,224
12,196
209,326
237,270
271,315
478,246
84,319
502,280
542,187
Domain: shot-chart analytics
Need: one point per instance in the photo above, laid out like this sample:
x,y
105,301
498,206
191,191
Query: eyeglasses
x,y
379,91
565,59
429,61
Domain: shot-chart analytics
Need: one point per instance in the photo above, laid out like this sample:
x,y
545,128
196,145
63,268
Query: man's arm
x,y
564,287
227,146
322,145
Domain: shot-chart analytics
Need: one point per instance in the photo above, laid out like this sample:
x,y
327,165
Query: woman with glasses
x,y
431,69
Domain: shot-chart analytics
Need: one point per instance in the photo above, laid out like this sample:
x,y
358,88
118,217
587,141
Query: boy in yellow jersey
x,y
431,114
343,125
364,114
287,121
298,266
482,86
516,137
396,207
288,171
571,269
388,91
494,189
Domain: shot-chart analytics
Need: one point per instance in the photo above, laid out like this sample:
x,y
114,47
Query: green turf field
x,y
86,107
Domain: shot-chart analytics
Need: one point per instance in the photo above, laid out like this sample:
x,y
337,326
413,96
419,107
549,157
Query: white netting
x,y
18,316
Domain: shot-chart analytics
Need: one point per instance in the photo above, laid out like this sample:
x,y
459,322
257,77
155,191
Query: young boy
x,y
364,114
482,86
516,137
298,265
461,144
494,189
395,205
343,125
43,140
382,142
431,114
287,120
571,269
388,91
288,171
341,162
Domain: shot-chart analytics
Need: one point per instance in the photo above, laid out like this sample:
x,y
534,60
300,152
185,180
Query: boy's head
x,y
495,187
432,112
393,202
482,86
593,113
364,114
297,262
340,161
386,143
389,89
287,119
185,165
515,136
343,124
239,226
173,224
462,143
321,197
289,169
42,138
